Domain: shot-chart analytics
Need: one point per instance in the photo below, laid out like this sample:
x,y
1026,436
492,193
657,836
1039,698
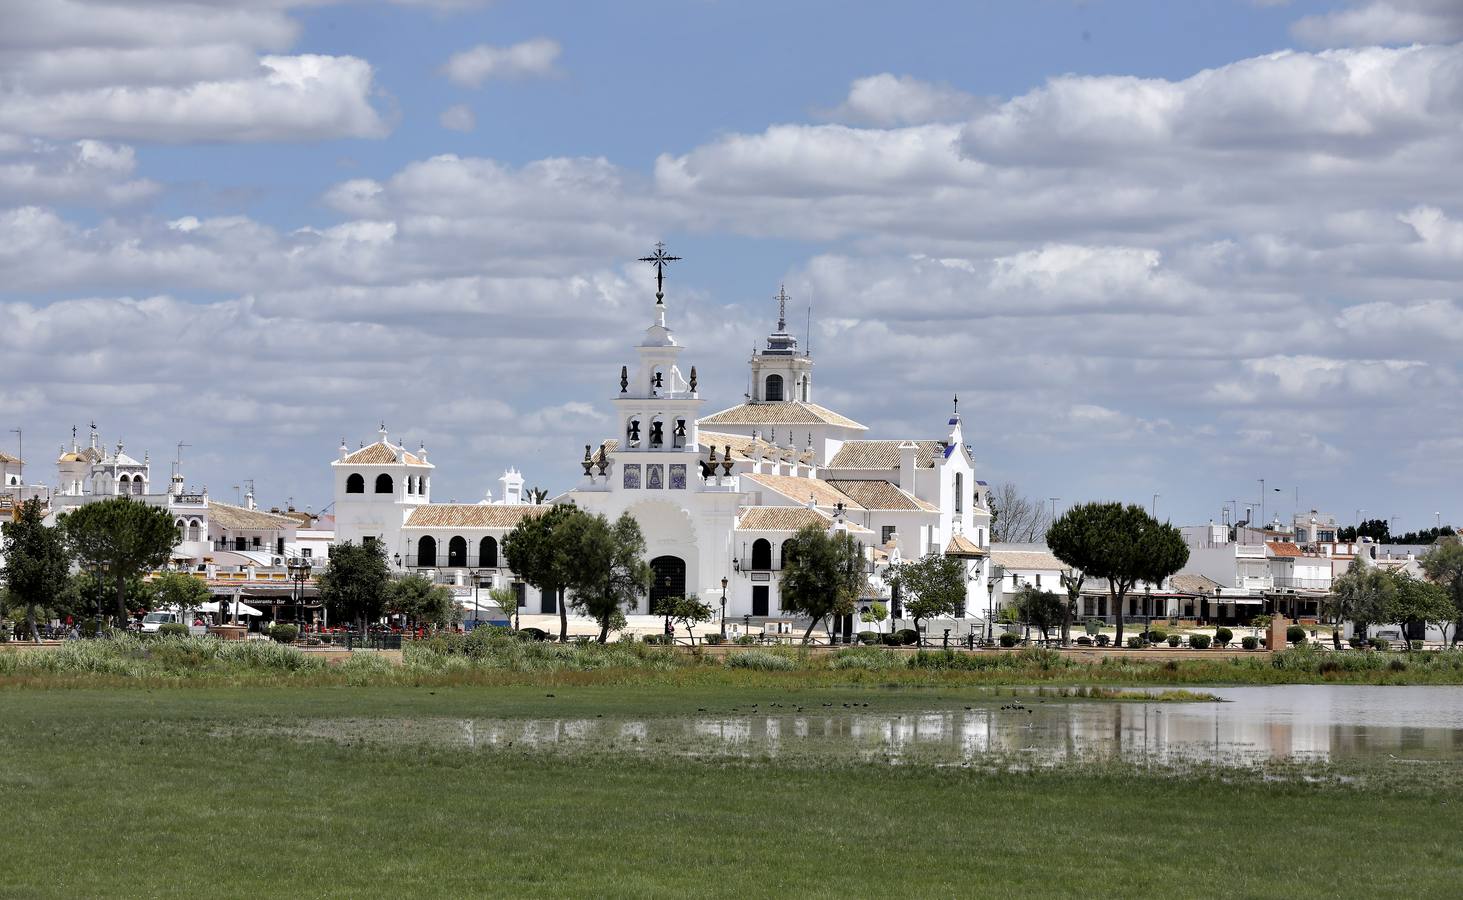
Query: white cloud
x,y
288,98
91,172
1385,22
534,58
458,118
888,100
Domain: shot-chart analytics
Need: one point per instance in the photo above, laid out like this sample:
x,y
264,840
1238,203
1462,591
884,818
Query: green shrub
x,y
1199,641
172,628
1358,643
1295,634
711,639
1103,640
532,634
1381,644
283,634
745,640
907,636
1398,665
1222,636
1415,645
1008,639
1157,636
1135,643
1250,642
866,658
1174,640
760,659
1084,641
868,637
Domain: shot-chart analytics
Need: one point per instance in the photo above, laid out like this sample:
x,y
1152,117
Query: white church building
x,y
716,495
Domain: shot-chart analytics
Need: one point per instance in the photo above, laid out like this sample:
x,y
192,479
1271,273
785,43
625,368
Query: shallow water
x,y
1255,725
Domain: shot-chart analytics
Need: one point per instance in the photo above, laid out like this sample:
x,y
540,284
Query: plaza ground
x,y
193,792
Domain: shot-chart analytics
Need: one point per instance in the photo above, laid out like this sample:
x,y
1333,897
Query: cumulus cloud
x,y
1385,22
93,172
887,100
458,118
289,98
536,58
175,72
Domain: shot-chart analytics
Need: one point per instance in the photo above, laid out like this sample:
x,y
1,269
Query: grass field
x,y
188,793
494,659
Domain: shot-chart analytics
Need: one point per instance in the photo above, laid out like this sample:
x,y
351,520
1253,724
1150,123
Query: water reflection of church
x,y
717,496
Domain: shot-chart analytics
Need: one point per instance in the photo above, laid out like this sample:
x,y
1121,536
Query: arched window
x,y
411,484
786,552
355,484
761,554
657,434
124,485
384,484
632,432
457,552
488,553
804,396
138,484
195,529
427,551
774,388
182,534
959,493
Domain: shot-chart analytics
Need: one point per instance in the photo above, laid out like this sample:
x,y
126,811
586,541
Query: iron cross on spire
x,y
782,308
660,260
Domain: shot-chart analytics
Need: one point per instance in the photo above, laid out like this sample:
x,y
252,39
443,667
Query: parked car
x,y
155,620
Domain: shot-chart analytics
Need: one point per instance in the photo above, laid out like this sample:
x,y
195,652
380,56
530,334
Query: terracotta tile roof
x,y
1026,559
876,494
7,458
1193,584
786,413
237,518
798,489
779,518
381,453
742,445
1283,548
884,454
470,515
960,545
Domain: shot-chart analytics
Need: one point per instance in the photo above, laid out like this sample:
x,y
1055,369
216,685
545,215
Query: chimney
x,y
907,452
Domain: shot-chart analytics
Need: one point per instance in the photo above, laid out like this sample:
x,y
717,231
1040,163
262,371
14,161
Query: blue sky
x,y
1156,247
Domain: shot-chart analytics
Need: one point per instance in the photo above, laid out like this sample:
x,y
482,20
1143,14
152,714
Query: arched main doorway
x,y
668,578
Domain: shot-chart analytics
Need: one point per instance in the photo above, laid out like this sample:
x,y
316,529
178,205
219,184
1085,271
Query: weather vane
x,y
660,260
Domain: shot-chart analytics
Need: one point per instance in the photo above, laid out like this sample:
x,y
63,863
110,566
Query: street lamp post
x,y
299,574
723,607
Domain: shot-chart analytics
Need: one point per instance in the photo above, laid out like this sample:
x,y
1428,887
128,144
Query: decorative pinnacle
x,y
782,308
660,260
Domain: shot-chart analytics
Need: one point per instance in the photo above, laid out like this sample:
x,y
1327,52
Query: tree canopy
x,y
120,538
607,572
421,601
353,585
179,589
822,574
1362,594
1039,609
1016,518
935,585
539,550
1415,602
1122,544
1443,565
37,562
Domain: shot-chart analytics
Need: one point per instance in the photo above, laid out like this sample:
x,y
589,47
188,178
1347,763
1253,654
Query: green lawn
x,y
183,793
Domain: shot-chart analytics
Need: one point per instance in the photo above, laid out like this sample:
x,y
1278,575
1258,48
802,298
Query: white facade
x,y
715,496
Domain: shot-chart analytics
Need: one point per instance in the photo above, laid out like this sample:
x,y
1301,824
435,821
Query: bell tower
x,y
657,406
781,374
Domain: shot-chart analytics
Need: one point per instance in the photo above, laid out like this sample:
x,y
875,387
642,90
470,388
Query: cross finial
x,y
660,260
957,404
782,308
